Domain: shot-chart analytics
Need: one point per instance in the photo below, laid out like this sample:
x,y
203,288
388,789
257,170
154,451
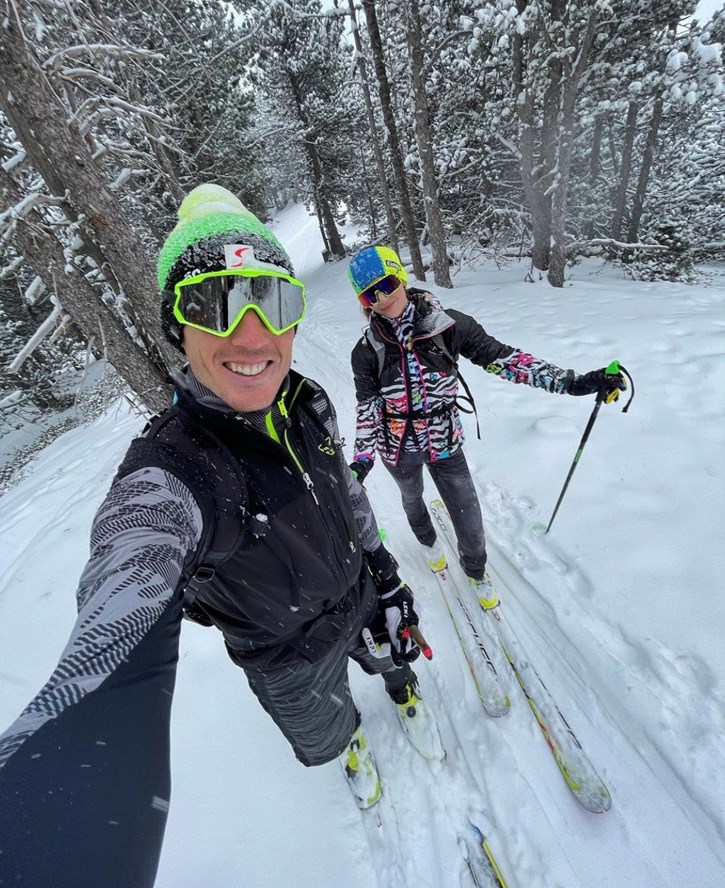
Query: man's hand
x,y
596,381
400,615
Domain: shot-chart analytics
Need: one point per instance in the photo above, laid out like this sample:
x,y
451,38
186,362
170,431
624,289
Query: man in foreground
x,y
237,506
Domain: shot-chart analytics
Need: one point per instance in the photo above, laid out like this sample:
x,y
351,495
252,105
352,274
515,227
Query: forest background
x,y
458,132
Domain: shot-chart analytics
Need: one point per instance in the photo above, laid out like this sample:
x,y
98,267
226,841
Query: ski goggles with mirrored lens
x,y
216,302
385,287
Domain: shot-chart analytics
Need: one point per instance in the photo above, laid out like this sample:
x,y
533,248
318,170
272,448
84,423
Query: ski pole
x,y
614,368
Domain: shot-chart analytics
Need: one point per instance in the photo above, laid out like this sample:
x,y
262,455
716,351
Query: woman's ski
x,y
581,777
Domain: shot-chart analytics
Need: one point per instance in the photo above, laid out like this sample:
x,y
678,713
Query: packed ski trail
x,y
619,609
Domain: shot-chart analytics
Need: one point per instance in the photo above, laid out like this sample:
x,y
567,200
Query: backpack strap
x,y
439,341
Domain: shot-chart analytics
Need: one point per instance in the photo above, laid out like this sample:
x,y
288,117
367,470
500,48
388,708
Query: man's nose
x,y
250,332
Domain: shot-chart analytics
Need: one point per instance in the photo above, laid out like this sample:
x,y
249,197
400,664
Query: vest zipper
x,y
287,421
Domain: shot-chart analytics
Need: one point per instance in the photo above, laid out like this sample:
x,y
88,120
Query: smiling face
x,y
393,305
245,369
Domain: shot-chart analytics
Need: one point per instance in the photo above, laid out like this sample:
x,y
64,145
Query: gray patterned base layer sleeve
x,y
84,770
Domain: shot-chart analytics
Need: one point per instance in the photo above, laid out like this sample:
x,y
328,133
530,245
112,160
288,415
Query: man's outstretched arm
x,y
84,770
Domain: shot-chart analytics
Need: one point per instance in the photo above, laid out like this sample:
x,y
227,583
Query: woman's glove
x,y
609,384
360,468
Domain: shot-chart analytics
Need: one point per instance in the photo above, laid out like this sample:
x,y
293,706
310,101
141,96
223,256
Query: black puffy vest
x,y
280,550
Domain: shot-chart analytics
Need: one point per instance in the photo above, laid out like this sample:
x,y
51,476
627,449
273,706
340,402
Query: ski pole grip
x,y
418,638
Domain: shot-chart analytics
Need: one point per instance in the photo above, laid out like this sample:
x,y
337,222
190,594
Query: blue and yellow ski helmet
x,y
372,265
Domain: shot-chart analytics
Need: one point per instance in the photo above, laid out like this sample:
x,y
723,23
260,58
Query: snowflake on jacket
x,y
406,379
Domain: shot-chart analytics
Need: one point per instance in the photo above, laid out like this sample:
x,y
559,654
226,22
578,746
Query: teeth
x,y
247,369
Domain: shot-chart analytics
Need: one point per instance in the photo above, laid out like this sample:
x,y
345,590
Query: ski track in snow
x,y
605,606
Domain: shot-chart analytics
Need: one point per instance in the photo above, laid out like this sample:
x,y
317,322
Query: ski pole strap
x,y
617,369
623,369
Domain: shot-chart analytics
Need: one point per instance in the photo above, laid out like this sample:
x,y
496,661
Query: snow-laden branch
x,y
34,199
14,161
577,246
89,104
77,74
124,176
34,291
105,49
57,318
116,148
507,143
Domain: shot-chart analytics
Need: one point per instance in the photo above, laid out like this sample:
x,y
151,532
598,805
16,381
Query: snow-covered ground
x,y
620,607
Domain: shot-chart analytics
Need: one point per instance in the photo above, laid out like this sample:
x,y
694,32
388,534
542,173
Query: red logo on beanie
x,y
234,255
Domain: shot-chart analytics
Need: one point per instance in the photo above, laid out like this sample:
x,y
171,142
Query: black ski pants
x,y
310,701
454,483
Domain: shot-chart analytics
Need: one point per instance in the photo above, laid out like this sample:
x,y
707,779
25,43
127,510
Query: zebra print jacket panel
x,y
406,393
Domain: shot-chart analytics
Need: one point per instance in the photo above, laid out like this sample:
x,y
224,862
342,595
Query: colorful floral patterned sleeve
x,y
520,367
369,412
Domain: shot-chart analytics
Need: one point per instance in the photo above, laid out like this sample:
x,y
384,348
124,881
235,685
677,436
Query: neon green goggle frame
x,y
216,301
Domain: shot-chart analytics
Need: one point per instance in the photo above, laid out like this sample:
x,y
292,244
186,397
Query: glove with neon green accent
x,y
608,381
360,468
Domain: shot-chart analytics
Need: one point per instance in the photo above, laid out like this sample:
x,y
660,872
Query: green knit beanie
x,y
215,231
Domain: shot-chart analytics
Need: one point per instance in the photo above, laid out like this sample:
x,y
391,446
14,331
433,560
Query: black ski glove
x,y
397,601
609,384
400,615
360,468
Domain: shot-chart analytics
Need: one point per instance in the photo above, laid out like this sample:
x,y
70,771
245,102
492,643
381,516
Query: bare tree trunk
x,y
43,253
620,201
386,103
331,235
547,169
539,207
392,237
434,218
595,167
644,171
557,264
56,148
371,202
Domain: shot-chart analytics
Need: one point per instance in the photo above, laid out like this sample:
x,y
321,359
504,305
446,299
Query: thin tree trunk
x,y
620,201
644,171
441,271
371,202
392,237
547,169
333,241
557,264
595,167
386,104
524,104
